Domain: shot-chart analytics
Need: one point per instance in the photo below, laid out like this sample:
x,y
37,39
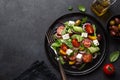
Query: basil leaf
x,y
114,56
81,8
84,20
70,8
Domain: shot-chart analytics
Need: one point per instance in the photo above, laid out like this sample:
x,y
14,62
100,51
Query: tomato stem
x,y
109,68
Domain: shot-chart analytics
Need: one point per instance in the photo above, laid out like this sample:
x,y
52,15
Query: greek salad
x,y
77,42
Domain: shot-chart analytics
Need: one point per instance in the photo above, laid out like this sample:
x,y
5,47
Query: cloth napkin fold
x,y
37,71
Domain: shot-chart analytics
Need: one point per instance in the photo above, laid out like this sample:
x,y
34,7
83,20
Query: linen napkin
x,y
37,71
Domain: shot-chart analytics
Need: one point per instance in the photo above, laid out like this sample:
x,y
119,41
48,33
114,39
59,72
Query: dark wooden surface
x,y
23,24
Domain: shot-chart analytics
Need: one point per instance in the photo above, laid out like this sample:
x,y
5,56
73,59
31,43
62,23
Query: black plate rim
x,y
102,57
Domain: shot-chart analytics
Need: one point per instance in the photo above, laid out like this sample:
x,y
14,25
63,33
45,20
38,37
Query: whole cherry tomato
x,y
75,43
108,69
89,29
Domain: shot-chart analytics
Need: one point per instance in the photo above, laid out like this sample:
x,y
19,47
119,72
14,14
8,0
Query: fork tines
x,y
49,35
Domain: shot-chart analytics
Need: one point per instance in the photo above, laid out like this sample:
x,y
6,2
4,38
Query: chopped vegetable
x,y
68,43
75,43
94,29
94,49
71,62
89,29
87,58
92,37
78,37
61,60
77,29
56,44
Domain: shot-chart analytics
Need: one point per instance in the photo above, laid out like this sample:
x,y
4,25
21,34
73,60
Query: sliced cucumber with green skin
x,y
93,49
78,29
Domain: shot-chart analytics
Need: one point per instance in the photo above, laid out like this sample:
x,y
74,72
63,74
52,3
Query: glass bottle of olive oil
x,y
99,7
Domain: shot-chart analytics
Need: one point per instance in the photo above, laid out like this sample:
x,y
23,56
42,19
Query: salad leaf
x,y
68,43
93,49
77,29
69,30
61,60
81,47
78,37
84,20
64,31
66,23
114,56
82,8
56,44
70,8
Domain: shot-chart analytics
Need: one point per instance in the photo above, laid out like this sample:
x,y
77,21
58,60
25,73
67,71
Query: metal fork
x,y
50,40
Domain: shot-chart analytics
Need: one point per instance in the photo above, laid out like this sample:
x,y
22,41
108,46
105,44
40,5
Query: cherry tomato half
x,y
89,29
87,58
64,47
75,43
108,69
87,43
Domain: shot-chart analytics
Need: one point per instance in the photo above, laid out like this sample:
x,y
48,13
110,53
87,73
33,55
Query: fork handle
x,y
63,75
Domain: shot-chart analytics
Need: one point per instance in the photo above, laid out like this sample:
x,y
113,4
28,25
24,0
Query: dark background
x,y
23,24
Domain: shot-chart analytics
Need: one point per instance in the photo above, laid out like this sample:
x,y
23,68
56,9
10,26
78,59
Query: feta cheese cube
x,y
84,34
79,57
69,51
71,22
96,42
66,36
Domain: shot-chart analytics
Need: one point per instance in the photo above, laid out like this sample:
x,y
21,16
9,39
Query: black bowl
x,y
110,29
103,44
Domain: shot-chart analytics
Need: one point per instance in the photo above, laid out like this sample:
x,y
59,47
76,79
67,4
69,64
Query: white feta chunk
x,y
79,57
84,34
69,51
66,36
71,22
96,42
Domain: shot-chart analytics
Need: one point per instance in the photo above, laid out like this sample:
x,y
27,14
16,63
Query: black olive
x,y
117,20
99,37
113,33
115,28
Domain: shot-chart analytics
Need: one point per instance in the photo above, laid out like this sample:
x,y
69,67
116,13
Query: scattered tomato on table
x,y
109,69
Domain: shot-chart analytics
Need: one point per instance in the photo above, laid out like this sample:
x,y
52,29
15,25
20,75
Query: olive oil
x,y
99,7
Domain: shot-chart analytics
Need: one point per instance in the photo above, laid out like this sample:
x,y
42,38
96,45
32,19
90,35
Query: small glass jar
x,y
100,7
